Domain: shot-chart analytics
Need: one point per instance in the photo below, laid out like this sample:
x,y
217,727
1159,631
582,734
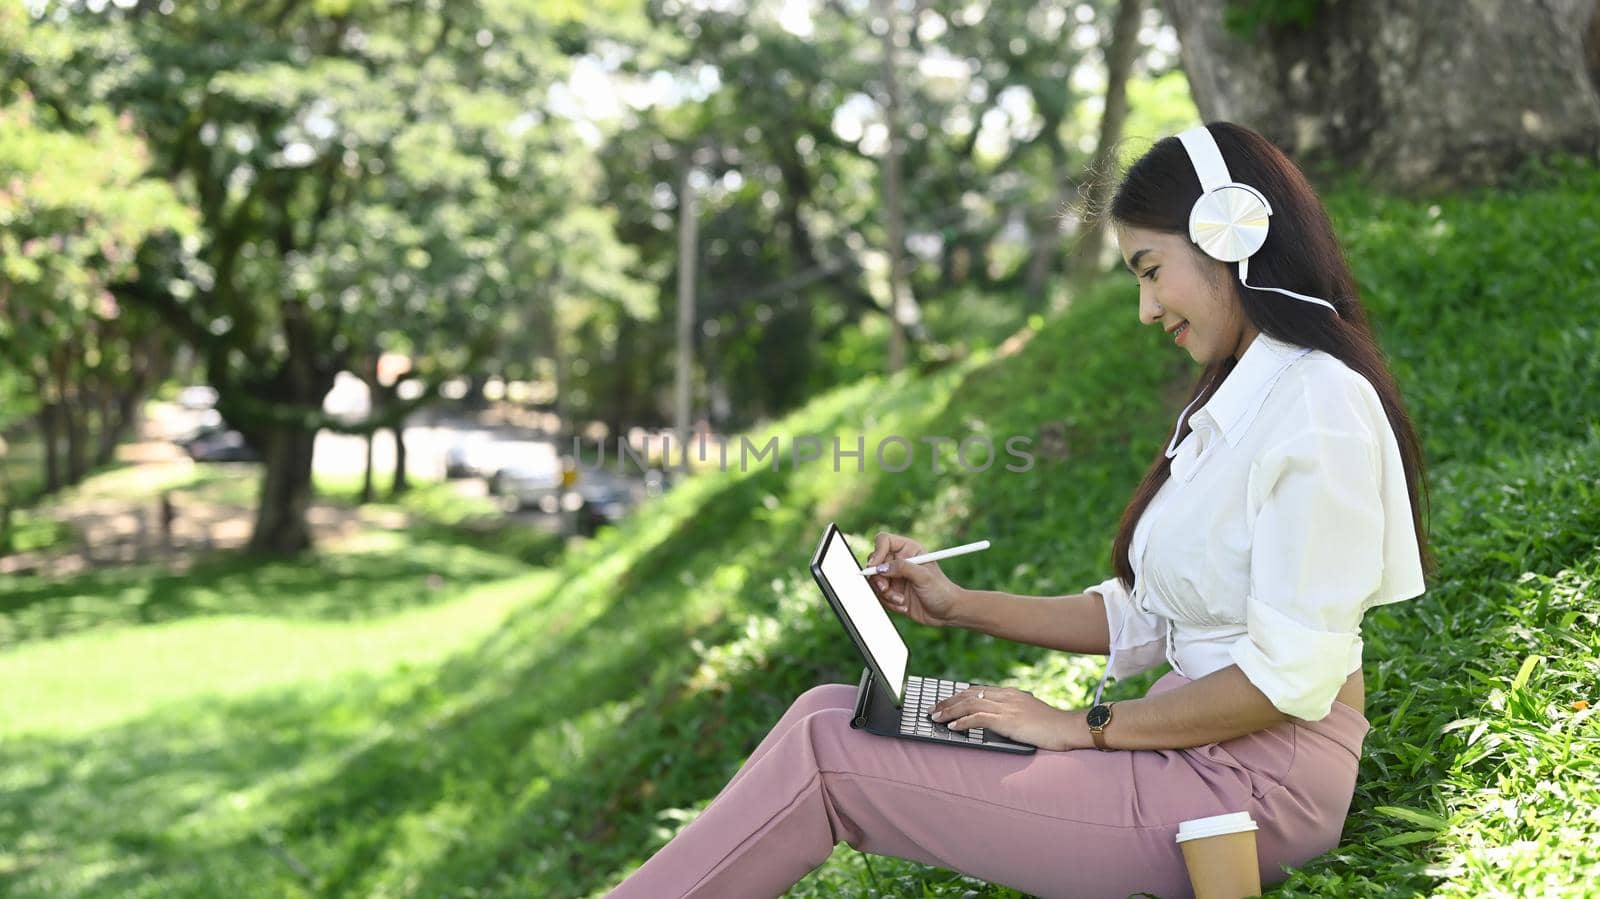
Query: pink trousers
x,y
1079,823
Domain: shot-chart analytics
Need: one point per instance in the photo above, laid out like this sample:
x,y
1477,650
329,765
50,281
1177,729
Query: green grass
x,y
526,732
30,531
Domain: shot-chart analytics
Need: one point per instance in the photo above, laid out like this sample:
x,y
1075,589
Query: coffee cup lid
x,y
1216,825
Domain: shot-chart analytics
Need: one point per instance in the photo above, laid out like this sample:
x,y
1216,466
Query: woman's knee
x,y
831,742
825,696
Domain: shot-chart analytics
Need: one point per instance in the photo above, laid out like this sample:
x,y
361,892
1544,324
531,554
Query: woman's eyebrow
x,y
1134,263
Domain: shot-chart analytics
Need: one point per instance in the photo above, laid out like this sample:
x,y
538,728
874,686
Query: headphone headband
x,y
1207,159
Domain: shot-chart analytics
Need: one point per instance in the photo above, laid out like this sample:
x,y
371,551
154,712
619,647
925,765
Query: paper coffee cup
x,y
1220,852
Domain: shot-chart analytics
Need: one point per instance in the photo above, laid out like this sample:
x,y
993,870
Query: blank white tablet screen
x,y
861,605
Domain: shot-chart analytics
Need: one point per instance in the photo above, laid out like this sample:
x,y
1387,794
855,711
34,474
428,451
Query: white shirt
x,y
1267,546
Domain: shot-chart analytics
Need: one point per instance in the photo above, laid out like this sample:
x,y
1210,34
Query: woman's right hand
x,y
919,592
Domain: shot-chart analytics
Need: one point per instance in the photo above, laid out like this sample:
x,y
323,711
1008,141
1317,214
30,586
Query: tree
x,y
74,210
1098,185
364,174
791,232
1396,90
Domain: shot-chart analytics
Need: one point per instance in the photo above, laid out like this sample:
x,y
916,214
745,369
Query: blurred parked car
x,y
183,425
657,481
527,474
220,445
197,397
528,487
606,497
480,453
470,455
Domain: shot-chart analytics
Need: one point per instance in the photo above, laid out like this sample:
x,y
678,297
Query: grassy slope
x,y
628,685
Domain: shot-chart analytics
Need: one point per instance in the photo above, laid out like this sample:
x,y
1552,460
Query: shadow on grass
x,y
428,566
509,539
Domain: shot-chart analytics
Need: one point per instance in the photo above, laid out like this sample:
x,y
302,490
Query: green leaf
x,y
1425,819
1526,670
1410,836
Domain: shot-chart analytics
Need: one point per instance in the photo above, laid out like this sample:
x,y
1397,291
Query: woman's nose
x,y
1147,308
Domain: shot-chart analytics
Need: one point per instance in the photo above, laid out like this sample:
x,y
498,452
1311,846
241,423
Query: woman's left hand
x,y
1016,714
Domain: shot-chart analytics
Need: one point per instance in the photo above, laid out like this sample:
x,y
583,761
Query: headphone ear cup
x,y
1229,223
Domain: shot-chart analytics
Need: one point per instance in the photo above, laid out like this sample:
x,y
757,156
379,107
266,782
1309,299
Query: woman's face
x,y
1179,284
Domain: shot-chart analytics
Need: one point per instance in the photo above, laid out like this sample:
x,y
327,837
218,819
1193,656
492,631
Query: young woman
x,y
1283,508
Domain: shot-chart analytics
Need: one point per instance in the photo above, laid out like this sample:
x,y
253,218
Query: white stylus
x,y
934,556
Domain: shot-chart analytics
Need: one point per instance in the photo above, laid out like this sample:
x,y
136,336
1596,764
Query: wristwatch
x,y
1099,717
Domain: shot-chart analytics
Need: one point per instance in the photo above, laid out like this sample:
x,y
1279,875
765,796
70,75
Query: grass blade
x,y
1425,819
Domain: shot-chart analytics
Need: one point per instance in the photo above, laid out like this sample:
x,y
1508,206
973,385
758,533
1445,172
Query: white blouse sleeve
x,y
1138,638
1316,560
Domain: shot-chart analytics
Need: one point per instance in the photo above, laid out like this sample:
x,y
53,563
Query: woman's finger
x,y
884,546
975,719
967,702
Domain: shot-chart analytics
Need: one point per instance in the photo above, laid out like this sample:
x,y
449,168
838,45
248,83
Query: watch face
x,y
1099,715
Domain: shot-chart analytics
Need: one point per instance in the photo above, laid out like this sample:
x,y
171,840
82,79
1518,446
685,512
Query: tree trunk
x,y
366,471
70,411
1042,235
281,526
109,431
121,400
1591,46
286,443
551,324
49,433
1044,230
618,411
124,417
1399,92
474,401
1096,188
75,414
367,370
900,301
402,481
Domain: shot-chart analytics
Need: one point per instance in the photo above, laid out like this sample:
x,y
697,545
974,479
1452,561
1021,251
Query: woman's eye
x,y
1151,274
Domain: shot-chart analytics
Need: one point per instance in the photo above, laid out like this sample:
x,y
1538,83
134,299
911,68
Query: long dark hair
x,y
1300,254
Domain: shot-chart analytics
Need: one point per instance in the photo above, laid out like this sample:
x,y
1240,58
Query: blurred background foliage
x,y
492,190
260,196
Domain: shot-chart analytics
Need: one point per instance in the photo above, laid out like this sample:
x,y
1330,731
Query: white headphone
x,y
1228,222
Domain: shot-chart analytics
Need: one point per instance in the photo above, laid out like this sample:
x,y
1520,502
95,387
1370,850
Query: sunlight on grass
x,y
91,680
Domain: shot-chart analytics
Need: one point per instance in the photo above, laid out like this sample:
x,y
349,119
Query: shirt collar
x,y
1234,405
